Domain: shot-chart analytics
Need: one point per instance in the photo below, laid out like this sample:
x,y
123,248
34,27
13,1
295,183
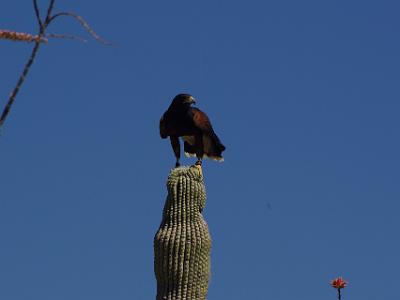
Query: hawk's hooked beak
x,y
192,100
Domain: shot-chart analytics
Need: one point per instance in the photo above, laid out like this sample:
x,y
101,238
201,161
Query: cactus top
x,y
192,172
186,195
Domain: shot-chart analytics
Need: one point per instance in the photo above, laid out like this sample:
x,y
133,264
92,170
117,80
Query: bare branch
x,y
65,36
21,80
38,39
83,23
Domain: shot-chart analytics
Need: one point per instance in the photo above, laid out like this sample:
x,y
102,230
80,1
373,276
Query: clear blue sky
x,y
305,96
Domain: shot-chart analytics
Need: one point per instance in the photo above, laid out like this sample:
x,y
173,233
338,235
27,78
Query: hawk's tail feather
x,y
212,150
217,158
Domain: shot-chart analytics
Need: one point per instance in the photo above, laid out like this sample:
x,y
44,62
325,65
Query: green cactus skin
x,y
182,244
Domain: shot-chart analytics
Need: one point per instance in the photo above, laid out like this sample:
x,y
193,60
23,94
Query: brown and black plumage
x,y
193,126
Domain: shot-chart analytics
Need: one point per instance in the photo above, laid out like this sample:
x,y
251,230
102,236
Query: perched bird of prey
x,y
193,126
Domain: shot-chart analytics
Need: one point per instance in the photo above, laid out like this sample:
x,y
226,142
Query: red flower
x,y
339,283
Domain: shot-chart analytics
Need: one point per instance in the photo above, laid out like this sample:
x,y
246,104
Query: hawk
x,y
194,127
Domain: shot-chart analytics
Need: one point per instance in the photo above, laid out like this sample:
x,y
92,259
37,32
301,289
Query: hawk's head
x,y
183,100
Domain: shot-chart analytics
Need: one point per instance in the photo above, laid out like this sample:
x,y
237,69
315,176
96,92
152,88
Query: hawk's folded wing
x,y
201,121
211,144
163,128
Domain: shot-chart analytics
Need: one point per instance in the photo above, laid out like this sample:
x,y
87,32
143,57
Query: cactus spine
x,y
182,243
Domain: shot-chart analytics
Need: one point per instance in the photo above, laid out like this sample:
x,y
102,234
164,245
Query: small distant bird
x,y
194,127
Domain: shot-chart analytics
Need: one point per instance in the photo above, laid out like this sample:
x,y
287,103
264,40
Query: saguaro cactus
x,y
182,243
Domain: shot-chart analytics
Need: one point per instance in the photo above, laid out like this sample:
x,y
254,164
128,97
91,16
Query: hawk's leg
x,y
176,146
199,149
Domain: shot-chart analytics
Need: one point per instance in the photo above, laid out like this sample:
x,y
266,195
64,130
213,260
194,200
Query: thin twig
x,y
49,11
83,23
37,13
21,36
65,36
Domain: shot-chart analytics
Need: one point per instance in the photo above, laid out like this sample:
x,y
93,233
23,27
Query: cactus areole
x,y
182,244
